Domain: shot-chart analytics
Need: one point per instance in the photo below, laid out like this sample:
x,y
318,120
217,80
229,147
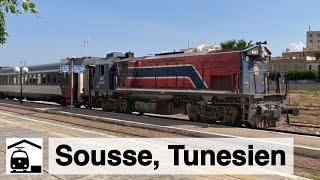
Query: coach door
x,y
75,87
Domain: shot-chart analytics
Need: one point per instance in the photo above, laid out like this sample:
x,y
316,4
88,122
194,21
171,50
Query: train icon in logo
x,y
24,156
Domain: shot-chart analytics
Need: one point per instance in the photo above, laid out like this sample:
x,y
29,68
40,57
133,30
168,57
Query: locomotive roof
x,y
183,54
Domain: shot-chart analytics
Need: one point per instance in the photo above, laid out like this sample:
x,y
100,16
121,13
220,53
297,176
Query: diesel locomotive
x,y
229,88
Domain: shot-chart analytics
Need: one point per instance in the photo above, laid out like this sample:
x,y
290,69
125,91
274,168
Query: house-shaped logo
x,y
24,155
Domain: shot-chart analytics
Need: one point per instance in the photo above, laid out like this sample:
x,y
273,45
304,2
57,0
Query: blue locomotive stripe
x,y
187,71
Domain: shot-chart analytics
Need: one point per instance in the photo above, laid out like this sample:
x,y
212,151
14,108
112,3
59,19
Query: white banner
x,y
170,156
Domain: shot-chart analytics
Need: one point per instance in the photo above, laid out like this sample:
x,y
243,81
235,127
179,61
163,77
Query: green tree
x,y
233,45
228,45
243,44
15,7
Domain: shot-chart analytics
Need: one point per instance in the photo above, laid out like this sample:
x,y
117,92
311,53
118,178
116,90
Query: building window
x,y
310,67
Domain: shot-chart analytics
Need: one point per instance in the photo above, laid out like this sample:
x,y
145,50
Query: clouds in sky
x,y
297,46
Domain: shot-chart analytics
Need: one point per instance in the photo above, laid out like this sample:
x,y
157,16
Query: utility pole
x,y
71,104
86,45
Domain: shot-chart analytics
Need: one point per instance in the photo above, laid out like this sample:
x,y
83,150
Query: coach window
x,y
9,80
54,79
35,79
1,80
38,79
30,78
102,70
26,79
59,79
48,79
43,79
18,79
15,80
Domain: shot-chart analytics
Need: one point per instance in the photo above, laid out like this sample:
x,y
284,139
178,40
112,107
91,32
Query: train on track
x,y
229,88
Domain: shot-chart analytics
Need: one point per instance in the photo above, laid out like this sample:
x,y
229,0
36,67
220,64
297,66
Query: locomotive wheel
x,y
77,105
88,106
140,113
247,124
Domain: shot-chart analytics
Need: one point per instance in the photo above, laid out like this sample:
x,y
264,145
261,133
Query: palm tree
x,y
228,45
233,45
243,44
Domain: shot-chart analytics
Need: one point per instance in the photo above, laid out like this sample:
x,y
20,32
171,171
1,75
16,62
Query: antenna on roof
x,y
309,27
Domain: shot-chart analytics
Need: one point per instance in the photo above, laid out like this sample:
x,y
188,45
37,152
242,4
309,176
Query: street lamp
x,y
21,71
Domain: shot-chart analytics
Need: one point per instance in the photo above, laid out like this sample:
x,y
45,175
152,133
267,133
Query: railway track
x,y
292,128
301,162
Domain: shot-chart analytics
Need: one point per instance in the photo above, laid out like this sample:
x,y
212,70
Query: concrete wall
x,y
299,86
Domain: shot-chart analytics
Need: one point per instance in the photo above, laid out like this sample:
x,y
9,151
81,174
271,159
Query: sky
x,y
152,26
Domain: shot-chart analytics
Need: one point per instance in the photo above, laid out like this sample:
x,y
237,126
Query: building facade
x,y
306,60
313,66
313,41
284,65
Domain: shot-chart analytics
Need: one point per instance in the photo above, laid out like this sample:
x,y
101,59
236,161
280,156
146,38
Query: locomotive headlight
x,y
256,70
247,58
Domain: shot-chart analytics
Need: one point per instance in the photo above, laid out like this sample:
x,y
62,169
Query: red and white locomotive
x,y
229,88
